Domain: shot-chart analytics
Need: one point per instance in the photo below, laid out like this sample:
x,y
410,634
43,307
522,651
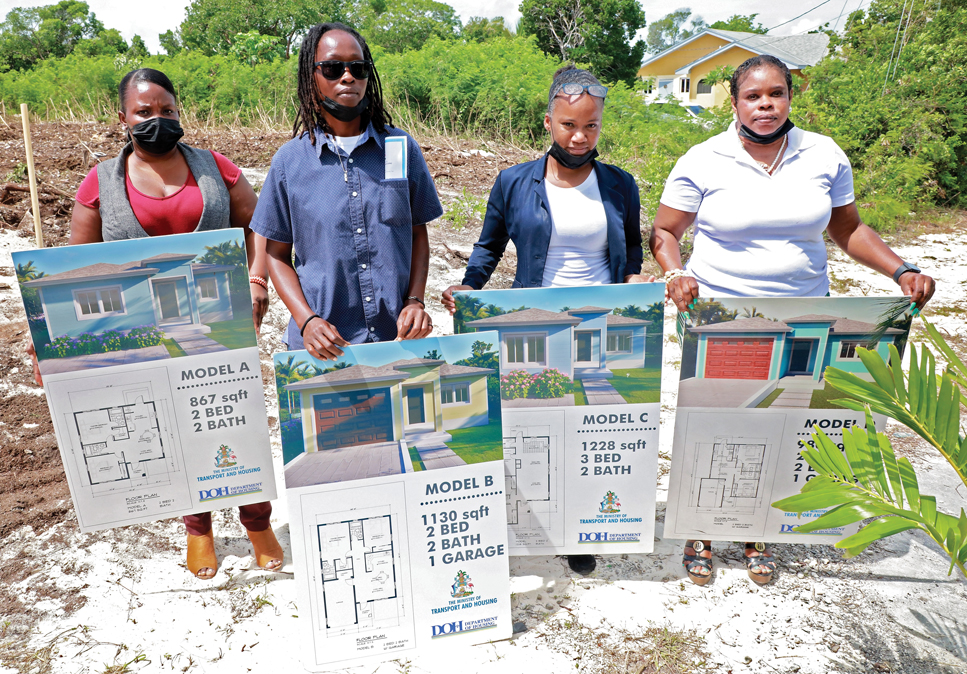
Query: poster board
x,y
751,389
580,372
150,364
394,481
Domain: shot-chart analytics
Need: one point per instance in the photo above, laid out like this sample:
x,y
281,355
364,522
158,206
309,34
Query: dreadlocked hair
x,y
308,116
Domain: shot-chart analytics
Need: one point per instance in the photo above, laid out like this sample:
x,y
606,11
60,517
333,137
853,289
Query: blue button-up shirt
x,y
350,228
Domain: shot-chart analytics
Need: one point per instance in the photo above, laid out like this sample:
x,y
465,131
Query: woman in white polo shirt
x,y
760,195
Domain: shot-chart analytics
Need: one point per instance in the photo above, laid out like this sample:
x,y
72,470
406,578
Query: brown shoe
x,y
696,563
202,561
268,552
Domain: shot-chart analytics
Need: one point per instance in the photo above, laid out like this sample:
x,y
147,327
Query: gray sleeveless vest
x,y
118,221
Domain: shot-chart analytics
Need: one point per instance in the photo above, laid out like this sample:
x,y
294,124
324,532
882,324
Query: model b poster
x,y
148,356
752,390
396,497
580,382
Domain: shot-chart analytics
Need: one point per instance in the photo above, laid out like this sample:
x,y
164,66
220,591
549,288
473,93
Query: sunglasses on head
x,y
333,70
573,89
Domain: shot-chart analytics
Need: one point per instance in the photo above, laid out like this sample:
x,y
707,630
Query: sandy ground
x,y
122,600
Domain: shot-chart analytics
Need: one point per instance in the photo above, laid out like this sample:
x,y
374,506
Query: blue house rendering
x,y
585,343
798,348
167,290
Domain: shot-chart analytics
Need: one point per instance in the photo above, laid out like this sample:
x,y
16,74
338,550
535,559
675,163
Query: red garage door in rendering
x,y
731,358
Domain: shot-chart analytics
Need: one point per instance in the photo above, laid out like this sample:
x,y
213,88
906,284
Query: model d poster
x,y
396,497
752,389
148,355
580,381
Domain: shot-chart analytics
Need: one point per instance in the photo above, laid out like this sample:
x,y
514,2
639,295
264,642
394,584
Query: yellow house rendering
x,y
679,71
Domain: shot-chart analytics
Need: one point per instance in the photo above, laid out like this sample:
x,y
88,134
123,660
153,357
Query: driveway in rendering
x,y
109,359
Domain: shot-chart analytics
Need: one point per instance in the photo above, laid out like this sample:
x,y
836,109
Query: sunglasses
x,y
574,89
333,70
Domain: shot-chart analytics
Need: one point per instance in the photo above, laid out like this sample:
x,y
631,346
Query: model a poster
x,y
580,382
396,497
752,388
148,355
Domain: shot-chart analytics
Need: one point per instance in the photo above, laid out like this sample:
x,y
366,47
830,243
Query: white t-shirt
x,y
346,143
756,234
578,251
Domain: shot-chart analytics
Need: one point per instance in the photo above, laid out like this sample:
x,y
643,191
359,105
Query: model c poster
x,y
150,364
396,497
580,386
752,389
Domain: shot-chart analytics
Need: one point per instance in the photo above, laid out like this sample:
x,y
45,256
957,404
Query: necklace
x,y
769,167
342,164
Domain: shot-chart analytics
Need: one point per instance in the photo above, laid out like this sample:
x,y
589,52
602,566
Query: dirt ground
x,y
836,613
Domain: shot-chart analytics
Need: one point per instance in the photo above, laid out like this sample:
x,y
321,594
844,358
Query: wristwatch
x,y
903,269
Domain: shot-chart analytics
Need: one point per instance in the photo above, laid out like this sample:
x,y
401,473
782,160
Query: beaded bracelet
x,y
259,281
673,274
414,297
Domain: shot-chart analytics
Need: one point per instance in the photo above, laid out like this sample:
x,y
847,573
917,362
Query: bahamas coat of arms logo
x,y
225,457
610,504
462,587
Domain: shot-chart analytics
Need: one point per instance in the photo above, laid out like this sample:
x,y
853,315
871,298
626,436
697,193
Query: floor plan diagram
x,y
532,471
358,568
727,475
124,442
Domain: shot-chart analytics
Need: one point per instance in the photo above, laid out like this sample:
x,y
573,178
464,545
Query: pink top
x,y
176,213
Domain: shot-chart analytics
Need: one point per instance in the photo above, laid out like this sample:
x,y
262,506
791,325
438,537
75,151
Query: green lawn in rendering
x,y
174,350
415,458
478,444
580,398
822,398
638,385
234,334
771,398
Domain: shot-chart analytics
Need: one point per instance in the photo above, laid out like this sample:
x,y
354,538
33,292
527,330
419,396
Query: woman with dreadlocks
x,y
353,195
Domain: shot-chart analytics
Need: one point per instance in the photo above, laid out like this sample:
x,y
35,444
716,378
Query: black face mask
x,y
568,160
157,135
345,113
759,139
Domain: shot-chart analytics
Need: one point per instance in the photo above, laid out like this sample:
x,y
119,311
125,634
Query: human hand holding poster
x,y
752,389
396,497
151,369
580,385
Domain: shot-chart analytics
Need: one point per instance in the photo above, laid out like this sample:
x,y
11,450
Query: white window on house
x,y
847,349
97,302
686,84
452,394
207,287
619,341
703,87
525,349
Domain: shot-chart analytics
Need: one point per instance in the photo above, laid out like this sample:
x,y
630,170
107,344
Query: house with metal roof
x,y
584,343
678,72
169,290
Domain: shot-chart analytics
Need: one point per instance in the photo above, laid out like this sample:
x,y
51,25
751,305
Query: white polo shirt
x,y
756,234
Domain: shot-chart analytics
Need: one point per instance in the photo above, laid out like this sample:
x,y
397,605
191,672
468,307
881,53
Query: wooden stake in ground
x,y
31,176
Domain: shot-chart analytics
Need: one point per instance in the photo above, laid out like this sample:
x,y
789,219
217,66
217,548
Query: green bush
x,y
515,384
550,383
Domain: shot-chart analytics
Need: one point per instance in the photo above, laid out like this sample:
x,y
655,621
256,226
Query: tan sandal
x,y
201,555
694,563
762,559
267,549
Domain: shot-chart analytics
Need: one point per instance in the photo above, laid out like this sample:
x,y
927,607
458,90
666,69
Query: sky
x,y
63,258
452,348
552,299
149,19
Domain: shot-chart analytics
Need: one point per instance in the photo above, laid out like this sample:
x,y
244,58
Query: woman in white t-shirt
x,y
760,195
574,221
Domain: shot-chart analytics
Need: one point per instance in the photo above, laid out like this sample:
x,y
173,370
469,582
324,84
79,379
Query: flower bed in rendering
x,y
104,342
549,383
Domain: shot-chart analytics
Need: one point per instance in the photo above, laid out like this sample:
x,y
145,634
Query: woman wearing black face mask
x,y
573,220
158,186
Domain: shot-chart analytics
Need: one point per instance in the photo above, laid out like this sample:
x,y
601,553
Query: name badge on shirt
x,y
395,147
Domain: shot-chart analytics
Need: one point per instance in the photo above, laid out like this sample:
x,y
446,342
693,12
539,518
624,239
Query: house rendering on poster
x,y
800,347
403,400
167,290
584,343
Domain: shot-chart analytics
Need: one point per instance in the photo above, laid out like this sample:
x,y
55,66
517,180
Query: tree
x,y
108,43
481,29
253,48
212,26
433,354
138,49
600,33
229,253
31,35
405,24
670,29
28,272
171,41
740,22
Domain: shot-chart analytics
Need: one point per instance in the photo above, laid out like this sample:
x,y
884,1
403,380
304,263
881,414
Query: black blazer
x,y
518,211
